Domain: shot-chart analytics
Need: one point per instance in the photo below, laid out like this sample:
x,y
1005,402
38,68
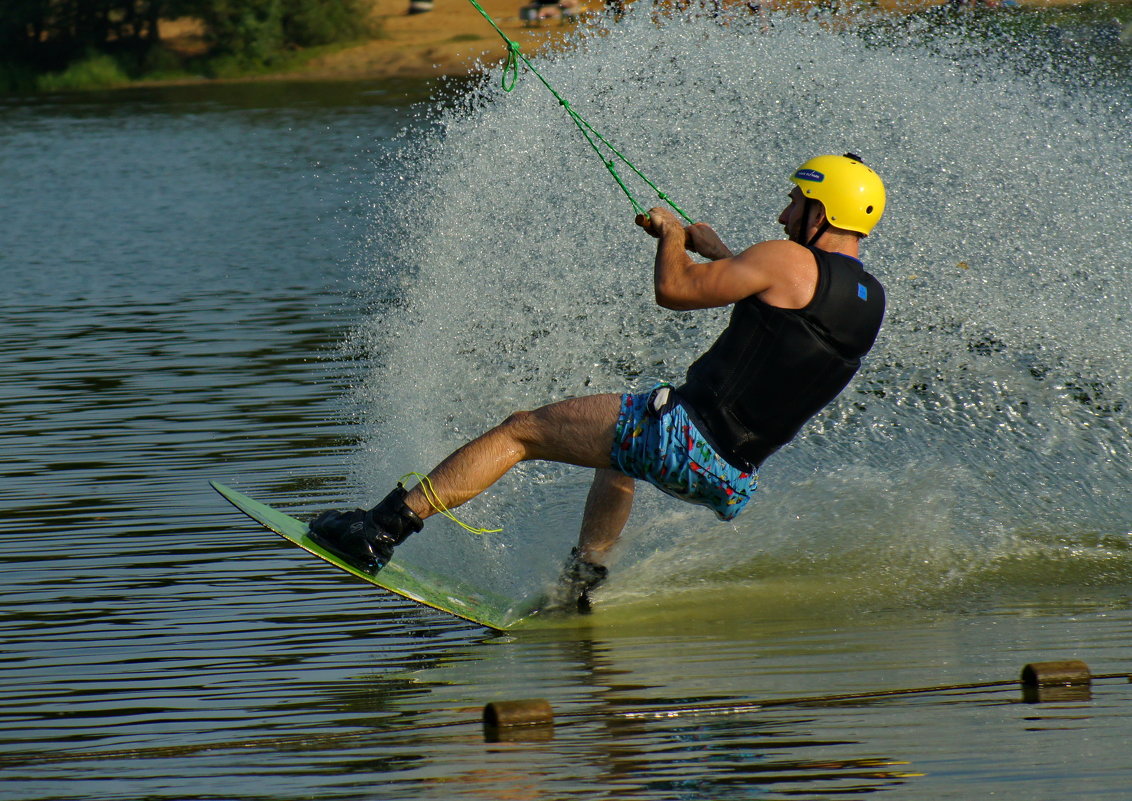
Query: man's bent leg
x,y
576,431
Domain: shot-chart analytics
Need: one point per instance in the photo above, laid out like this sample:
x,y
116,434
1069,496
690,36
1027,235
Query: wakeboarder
x,y
804,313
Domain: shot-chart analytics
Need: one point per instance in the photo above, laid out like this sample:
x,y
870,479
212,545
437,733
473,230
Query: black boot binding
x,y
571,593
367,538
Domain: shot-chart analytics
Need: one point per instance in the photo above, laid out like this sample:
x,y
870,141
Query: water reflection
x,y
177,273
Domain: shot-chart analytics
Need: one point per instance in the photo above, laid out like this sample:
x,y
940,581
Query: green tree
x,y
308,23
48,35
257,31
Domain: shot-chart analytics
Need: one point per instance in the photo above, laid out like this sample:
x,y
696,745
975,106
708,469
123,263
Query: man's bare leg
x,y
577,431
607,510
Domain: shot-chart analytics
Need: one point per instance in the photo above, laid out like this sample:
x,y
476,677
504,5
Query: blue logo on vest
x,y
862,292
810,175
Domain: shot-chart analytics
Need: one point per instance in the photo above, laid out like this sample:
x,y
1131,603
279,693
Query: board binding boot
x,y
367,538
572,591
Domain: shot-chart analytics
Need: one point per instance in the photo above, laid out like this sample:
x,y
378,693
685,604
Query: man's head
x,y
851,195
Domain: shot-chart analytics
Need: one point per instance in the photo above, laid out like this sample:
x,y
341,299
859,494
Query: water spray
x,y
589,133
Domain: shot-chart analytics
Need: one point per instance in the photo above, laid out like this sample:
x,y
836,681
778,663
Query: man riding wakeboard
x,y
804,313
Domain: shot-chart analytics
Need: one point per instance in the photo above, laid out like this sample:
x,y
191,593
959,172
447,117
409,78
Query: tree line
x,y
48,35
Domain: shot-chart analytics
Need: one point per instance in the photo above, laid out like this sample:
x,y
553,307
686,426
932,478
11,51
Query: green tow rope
x,y
511,77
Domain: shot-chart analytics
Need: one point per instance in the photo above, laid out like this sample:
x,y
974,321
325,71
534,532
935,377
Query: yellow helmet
x,y
853,195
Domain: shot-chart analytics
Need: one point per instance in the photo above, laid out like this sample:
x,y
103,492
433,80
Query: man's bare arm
x,y
683,284
702,239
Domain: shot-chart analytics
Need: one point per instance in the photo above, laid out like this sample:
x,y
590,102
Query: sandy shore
x,y
448,40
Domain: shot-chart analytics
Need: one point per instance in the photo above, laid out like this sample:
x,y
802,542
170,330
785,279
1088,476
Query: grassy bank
x,y
178,59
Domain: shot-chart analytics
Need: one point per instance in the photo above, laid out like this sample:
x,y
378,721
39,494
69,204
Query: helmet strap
x,y
825,226
800,231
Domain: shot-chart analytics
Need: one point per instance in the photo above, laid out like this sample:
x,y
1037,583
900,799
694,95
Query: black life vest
x,y
772,369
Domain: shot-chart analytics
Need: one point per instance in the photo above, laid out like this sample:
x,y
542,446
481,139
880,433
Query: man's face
x,y
791,217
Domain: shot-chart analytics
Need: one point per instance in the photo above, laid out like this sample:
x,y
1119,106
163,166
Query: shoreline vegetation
x,y
320,40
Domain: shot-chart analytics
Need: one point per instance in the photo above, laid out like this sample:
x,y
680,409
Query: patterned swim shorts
x,y
657,442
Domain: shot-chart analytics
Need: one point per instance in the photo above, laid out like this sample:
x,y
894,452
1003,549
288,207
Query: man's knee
x,y
517,420
538,431
624,484
614,480
522,426
576,430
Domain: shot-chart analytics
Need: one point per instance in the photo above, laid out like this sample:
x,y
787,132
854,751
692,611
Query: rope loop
x,y
434,500
511,68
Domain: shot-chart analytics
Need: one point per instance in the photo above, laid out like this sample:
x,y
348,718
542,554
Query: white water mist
x,y
988,434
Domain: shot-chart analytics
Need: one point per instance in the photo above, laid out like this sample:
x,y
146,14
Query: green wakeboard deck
x,y
433,590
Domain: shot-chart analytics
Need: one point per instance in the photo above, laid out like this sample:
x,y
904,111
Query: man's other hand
x,y
658,221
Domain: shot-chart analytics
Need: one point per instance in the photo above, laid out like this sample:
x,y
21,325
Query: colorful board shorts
x,y
657,442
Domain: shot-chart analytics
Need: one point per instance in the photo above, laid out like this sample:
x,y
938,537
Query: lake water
x,y
279,287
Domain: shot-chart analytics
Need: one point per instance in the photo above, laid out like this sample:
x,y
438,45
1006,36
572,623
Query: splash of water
x,y
987,437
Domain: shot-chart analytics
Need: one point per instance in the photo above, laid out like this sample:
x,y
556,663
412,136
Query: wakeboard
x,y
444,594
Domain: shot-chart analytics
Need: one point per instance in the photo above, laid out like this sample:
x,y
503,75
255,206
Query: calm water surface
x,y
179,271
